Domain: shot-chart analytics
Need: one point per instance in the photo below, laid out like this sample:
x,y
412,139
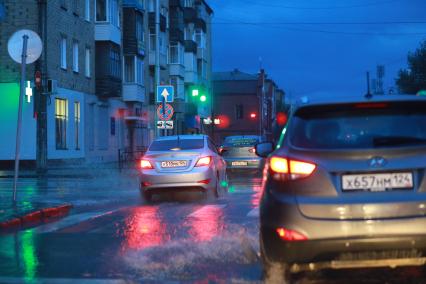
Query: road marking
x,y
69,221
206,210
254,213
13,280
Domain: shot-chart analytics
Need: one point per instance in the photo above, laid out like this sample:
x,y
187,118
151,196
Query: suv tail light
x,y
204,161
252,150
146,165
288,169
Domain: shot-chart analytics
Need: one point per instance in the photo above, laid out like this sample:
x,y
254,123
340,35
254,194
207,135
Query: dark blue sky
x,y
309,57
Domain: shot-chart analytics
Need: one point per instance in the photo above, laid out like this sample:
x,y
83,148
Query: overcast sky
x,y
303,54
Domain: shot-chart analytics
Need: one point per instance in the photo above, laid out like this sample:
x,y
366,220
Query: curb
x,y
36,217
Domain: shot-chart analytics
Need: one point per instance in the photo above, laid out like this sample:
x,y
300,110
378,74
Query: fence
x,y
128,158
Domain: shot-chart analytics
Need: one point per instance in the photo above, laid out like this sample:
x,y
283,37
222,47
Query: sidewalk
x,y
45,198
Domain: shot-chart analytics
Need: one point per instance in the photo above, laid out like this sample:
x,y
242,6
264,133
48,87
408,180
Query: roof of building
x,y
234,75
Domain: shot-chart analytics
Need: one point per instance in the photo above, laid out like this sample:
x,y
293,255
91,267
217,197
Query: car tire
x,y
273,272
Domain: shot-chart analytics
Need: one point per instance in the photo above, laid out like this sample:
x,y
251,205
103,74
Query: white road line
x,y
206,210
254,213
69,221
13,280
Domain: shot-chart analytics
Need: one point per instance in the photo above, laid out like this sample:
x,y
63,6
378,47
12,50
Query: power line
x,y
320,8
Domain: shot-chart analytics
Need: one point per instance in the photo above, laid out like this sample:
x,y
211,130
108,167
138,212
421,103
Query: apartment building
x,y
100,58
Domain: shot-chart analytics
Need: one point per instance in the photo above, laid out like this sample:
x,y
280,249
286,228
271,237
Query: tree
x,y
413,79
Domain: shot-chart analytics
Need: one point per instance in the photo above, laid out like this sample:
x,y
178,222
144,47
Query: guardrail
x,y
127,158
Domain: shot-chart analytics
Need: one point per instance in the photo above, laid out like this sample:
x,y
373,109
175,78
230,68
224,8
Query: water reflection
x,y
255,197
206,223
145,228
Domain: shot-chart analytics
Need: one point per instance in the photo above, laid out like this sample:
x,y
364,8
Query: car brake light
x,y
206,181
284,169
146,165
290,235
204,161
252,150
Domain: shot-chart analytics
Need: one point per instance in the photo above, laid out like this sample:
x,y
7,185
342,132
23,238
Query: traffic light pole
x,y
157,59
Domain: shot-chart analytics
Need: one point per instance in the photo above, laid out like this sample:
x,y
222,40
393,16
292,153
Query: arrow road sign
x,y
165,93
166,114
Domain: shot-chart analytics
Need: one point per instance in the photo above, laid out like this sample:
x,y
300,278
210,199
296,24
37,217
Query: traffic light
x,y
253,115
198,95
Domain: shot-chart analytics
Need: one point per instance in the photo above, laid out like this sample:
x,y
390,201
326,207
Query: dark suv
x,y
346,186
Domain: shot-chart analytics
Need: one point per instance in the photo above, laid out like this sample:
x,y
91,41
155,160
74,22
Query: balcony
x,y
191,77
202,53
108,87
189,15
163,59
107,32
133,92
190,46
151,21
138,4
176,3
177,70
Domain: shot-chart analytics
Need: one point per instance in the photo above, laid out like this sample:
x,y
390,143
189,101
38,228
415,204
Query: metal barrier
x,y
127,158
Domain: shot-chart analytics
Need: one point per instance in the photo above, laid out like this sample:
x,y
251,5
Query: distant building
x,y
237,101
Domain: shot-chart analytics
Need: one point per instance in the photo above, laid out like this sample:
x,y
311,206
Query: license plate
x,y
377,182
239,163
173,164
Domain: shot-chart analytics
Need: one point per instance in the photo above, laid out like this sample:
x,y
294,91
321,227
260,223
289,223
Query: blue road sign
x,y
165,92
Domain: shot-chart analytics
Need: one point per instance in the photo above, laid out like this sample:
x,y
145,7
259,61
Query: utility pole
x,y
262,73
157,59
41,149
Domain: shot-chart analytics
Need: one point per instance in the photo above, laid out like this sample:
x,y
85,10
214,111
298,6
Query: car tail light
x,y
206,181
252,150
290,235
146,165
288,169
204,161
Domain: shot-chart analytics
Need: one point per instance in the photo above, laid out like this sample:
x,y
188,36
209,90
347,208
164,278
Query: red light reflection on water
x,y
255,197
145,228
206,223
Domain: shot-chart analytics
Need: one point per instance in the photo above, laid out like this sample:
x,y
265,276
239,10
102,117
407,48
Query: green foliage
x,y
413,79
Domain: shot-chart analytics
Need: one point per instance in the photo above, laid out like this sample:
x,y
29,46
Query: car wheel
x,y
273,272
146,196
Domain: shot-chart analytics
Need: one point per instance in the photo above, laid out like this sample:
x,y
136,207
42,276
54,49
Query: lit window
x,y
129,69
75,56
61,118
63,53
77,124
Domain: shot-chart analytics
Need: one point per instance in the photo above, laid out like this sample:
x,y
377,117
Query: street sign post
x,y
24,47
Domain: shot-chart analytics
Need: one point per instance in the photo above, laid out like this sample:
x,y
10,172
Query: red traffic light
x,y
253,115
37,79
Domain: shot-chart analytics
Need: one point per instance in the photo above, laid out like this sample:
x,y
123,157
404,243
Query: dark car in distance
x,y
239,153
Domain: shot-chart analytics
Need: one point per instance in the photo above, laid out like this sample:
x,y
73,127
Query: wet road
x,y
184,239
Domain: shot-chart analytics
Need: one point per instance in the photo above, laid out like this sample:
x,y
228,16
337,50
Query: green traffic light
x,y
203,98
195,93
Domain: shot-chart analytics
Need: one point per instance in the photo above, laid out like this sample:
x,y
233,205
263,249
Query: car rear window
x,y
366,125
241,141
177,144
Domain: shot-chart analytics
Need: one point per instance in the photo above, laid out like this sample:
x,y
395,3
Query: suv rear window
x,y
181,144
369,125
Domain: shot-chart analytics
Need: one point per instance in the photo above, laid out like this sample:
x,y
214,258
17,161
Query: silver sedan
x,y
182,163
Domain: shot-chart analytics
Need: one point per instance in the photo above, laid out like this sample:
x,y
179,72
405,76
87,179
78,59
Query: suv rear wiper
x,y
396,140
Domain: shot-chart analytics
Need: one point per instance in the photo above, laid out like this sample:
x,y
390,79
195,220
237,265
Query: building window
x,y
188,34
87,10
112,122
63,53
140,33
189,3
176,54
101,10
140,71
114,13
239,111
152,39
61,118
129,69
76,7
87,63
151,5
114,57
200,38
77,124
75,56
